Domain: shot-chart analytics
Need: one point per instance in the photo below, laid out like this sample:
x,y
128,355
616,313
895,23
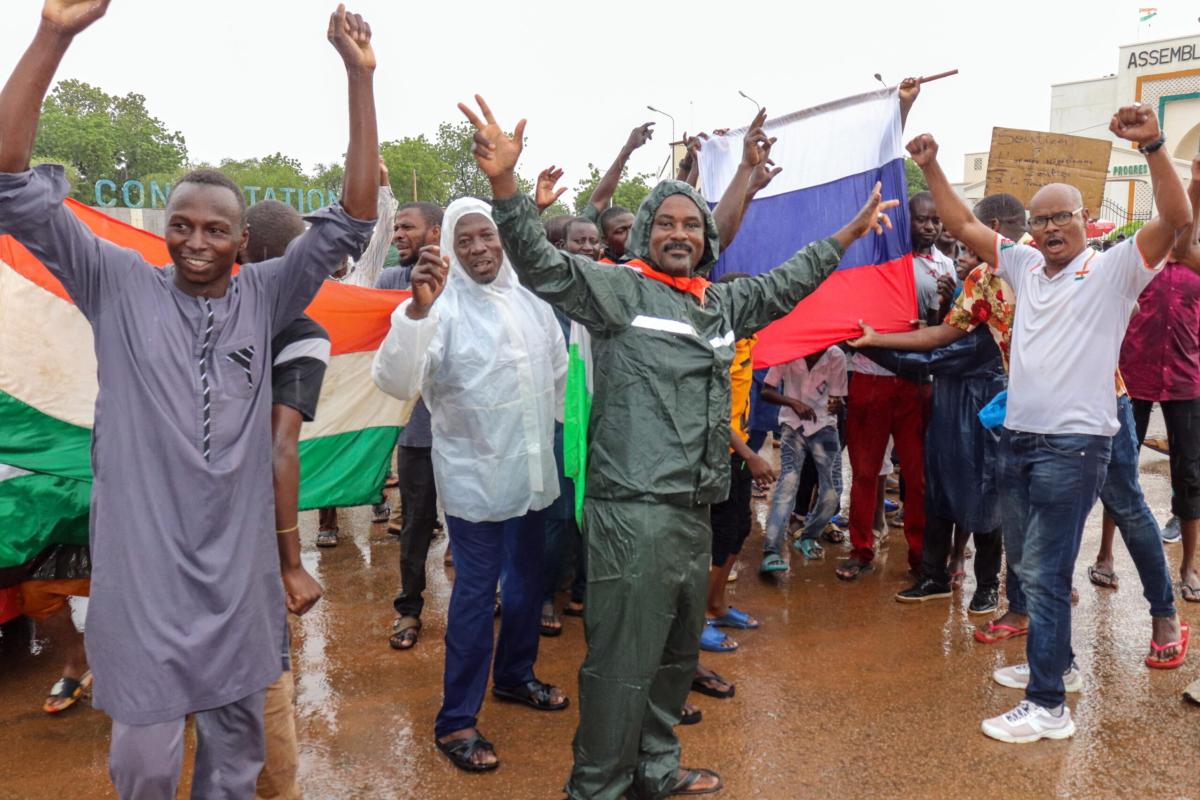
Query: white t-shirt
x,y
925,274
1067,333
812,387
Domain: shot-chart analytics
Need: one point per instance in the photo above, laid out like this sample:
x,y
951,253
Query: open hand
x,y
546,193
350,35
72,16
762,175
872,216
301,590
428,279
869,337
923,150
1136,123
495,151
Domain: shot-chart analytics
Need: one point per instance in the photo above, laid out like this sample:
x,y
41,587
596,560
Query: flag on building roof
x,y
831,155
48,394
1147,14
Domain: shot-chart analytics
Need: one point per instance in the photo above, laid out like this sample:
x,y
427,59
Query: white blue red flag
x,y
831,156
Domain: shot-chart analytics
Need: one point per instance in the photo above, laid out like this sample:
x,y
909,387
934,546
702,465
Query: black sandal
x,y
461,752
571,611
700,684
688,779
405,633
534,694
851,568
690,716
550,624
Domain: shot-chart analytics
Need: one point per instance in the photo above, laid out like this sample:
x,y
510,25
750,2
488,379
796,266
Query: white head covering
x,y
493,384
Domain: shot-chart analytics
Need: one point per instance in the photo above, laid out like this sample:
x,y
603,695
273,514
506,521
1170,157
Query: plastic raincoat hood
x,y
638,245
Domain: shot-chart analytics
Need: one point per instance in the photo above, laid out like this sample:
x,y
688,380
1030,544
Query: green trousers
x,y
647,569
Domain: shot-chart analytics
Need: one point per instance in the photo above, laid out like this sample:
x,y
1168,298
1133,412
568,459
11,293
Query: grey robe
x,y
187,607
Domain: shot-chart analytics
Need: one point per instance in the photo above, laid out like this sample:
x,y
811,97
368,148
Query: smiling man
x,y
1072,308
663,342
187,606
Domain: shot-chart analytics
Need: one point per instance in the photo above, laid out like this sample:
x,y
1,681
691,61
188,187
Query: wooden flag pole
x,y
938,77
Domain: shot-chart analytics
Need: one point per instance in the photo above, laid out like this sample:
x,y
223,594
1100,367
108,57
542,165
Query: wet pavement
x,y
842,693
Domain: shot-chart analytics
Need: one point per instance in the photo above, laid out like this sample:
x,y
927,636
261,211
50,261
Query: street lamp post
x,y
674,164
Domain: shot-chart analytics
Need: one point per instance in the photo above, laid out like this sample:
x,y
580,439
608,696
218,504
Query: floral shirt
x,y
987,299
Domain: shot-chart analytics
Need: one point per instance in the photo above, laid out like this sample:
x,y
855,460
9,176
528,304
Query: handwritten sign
x,y
1021,162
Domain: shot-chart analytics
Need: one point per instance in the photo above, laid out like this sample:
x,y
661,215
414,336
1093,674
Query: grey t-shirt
x,y
187,609
417,433
394,278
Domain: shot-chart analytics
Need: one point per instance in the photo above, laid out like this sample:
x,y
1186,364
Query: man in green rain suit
x,y
662,340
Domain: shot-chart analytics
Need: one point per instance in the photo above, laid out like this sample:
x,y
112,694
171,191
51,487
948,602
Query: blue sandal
x,y
734,619
713,641
772,562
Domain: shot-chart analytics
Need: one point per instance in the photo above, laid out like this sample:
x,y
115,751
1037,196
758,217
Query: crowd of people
x,y
1021,395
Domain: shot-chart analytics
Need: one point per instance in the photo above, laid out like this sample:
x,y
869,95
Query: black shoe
x,y
984,601
922,590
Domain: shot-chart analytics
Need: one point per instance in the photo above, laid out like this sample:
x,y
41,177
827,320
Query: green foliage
x,y
914,177
329,177
1129,229
418,155
631,191
105,136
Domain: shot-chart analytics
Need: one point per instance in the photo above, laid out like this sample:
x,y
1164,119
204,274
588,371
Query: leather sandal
x,y
534,694
462,751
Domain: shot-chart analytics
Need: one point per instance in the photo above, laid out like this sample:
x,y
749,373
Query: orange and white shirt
x,y
1066,335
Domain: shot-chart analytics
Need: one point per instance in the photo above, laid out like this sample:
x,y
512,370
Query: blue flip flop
x,y
772,562
734,619
713,641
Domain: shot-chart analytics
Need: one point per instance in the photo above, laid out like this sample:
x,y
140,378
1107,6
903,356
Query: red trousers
x,y
880,407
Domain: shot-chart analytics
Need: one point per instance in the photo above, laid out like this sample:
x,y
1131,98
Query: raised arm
x,y
594,295
753,173
603,193
759,301
955,215
21,99
351,37
368,268
1138,124
1186,250
910,89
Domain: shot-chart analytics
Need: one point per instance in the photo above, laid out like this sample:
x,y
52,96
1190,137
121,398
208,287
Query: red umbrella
x,y
1099,227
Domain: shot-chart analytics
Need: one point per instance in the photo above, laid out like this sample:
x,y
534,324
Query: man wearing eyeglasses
x,y
1073,306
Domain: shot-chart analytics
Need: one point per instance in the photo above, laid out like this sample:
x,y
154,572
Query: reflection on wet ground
x,y
842,693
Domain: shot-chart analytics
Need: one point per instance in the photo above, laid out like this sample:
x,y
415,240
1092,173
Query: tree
x,y
416,154
631,191
914,177
105,136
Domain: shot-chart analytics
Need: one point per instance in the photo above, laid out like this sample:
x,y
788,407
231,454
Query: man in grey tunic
x,y
187,608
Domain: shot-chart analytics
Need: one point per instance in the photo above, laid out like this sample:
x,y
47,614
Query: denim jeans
x,y
1048,485
824,449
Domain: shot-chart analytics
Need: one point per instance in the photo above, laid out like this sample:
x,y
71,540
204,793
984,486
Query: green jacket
x,y
660,416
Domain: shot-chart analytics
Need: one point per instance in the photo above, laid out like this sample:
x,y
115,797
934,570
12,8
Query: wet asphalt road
x,y
842,693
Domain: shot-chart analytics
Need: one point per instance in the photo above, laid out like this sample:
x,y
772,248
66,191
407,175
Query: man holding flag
x,y
662,348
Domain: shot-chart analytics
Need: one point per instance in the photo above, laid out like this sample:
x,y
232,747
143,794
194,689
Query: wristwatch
x,y
1150,148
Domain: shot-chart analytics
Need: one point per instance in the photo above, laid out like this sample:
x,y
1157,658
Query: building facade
x,y
1164,74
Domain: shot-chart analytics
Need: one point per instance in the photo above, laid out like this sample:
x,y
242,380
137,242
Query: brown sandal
x,y
405,633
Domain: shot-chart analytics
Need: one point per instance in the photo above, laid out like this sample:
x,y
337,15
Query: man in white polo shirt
x,y
1073,305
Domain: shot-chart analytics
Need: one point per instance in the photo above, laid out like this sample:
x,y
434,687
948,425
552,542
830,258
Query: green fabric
x,y
34,441
38,511
577,410
659,421
647,564
346,469
638,244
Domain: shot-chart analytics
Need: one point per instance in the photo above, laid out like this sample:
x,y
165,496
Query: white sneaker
x,y
1017,677
1029,722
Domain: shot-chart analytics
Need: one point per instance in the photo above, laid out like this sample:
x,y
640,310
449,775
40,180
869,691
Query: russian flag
x,y
831,155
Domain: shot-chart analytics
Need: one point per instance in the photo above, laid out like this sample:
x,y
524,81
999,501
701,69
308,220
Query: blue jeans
x,y
486,552
1048,484
824,449
1122,498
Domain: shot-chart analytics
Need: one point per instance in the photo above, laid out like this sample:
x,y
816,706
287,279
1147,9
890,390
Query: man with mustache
x,y
663,343
1072,309
187,604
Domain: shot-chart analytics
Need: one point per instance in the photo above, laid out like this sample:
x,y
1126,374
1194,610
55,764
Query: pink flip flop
x,y
998,633
1182,644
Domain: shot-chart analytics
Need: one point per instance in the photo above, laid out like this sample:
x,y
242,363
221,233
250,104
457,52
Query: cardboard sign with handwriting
x,y
1021,162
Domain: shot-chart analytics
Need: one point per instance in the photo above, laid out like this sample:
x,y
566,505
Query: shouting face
x,y
1058,223
410,233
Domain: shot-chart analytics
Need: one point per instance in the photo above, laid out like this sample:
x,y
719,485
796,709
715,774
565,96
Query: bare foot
x,y
1166,629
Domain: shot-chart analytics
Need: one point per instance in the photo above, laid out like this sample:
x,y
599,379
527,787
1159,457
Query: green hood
x,y
638,245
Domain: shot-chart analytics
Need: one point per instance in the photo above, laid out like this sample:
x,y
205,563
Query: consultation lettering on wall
x,y
152,194
1161,56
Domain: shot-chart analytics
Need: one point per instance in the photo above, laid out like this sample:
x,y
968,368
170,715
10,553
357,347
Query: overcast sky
x,y
248,78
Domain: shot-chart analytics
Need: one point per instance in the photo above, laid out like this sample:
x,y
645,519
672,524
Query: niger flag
x,y
48,396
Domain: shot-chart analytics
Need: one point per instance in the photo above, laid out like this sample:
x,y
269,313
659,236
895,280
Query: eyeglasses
x,y
1060,219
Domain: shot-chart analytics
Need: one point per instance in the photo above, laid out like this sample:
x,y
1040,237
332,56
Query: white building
x,y
1164,74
